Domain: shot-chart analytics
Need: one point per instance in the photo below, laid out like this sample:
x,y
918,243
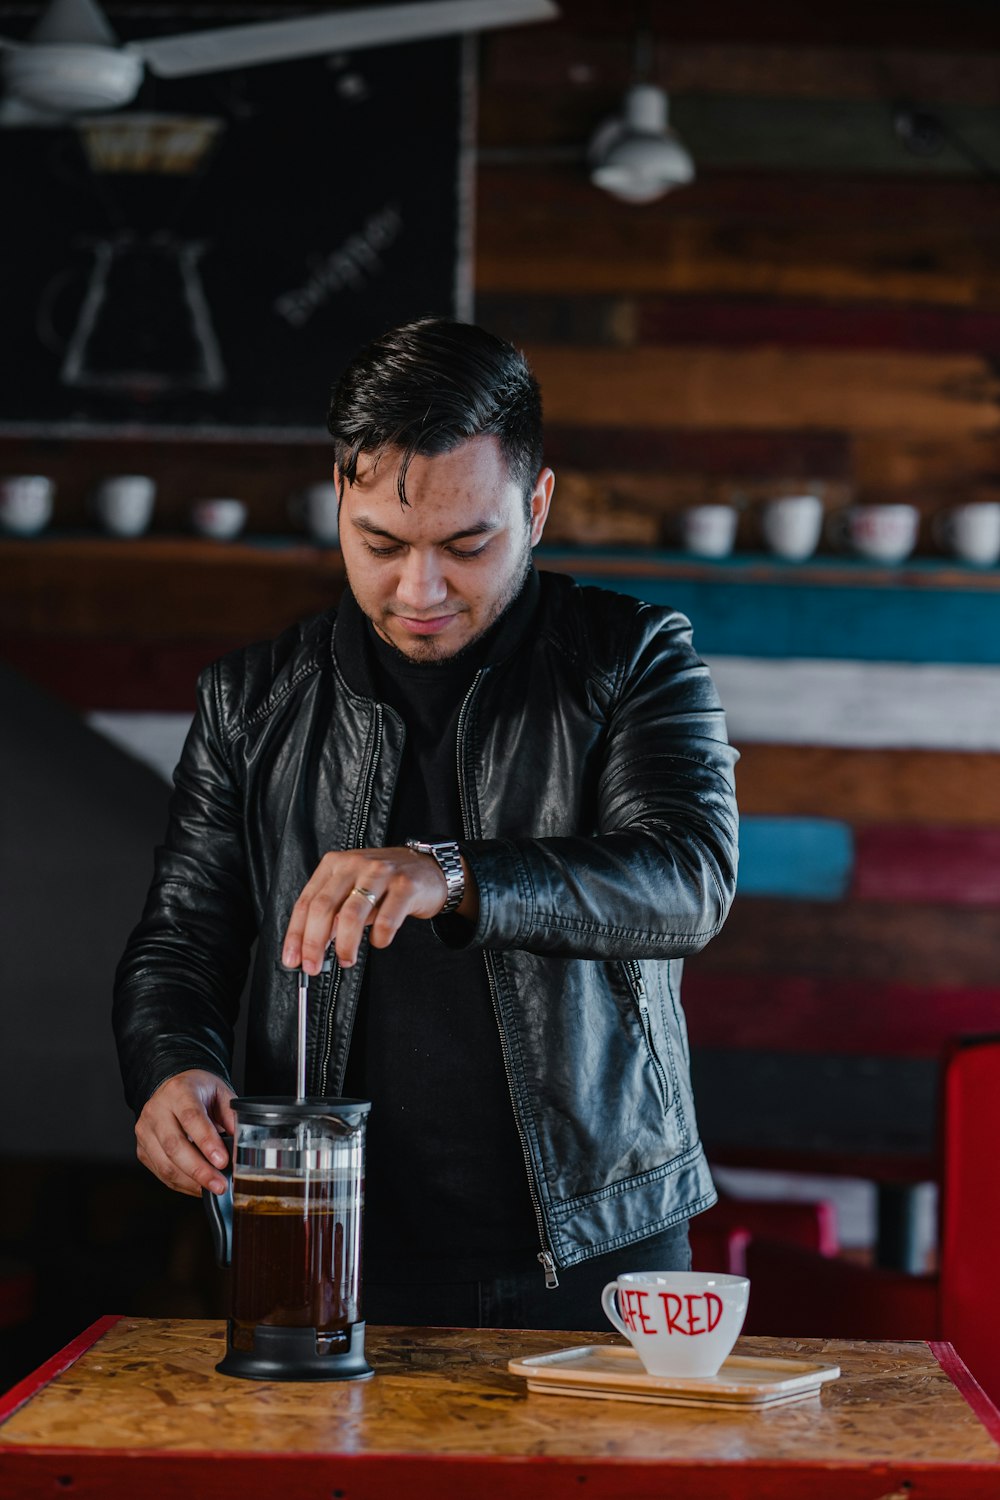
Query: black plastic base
x,y
292,1354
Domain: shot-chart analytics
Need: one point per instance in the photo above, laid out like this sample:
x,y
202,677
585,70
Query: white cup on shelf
x,y
708,530
970,532
792,525
26,503
221,519
880,533
123,504
318,508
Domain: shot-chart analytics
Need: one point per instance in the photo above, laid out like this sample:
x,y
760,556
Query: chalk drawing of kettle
x,y
143,326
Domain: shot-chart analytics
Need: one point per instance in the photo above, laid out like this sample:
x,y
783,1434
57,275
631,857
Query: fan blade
x,y
72,21
330,31
17,116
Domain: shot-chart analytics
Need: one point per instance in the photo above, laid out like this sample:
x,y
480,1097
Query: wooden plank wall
x,y
819,309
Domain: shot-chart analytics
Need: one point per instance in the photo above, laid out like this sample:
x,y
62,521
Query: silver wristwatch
x,y
449,862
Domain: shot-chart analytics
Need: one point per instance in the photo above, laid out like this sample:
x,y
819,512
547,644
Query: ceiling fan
x,y
72,62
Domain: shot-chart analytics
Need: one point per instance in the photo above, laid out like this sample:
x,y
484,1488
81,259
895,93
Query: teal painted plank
x,y
803,859
736,616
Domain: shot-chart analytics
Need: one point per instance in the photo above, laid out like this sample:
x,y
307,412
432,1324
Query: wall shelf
x,y
111,623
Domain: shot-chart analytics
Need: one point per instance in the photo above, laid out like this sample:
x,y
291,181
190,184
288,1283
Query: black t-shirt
x,y
446,1191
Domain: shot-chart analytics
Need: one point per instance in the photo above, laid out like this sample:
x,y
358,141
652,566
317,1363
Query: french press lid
x,y
284,1109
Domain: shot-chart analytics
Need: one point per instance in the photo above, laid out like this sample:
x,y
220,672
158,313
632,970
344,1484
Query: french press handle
x,y
219,1208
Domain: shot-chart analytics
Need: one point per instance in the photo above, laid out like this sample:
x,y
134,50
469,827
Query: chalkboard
x,y
326,207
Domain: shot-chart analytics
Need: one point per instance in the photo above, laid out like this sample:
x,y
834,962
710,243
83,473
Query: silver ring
x,y
359,890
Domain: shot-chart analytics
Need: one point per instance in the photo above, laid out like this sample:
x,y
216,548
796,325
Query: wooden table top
x,y
444,1416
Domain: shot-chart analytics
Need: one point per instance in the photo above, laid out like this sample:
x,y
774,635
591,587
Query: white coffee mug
x,y
679,1323
26,503
123,503
319,508
220,519
792,525
881,533
709,530
970,532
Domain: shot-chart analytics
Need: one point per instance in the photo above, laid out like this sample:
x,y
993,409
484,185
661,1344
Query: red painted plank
x,y
720,452
874,943
140,677
742,321
959,866
18,1394
796,1013
945,210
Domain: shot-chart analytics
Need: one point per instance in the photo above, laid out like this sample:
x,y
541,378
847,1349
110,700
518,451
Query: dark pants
x,y
522,1300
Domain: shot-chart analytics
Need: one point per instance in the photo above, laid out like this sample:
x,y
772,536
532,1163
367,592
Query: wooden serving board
x,y
612,1372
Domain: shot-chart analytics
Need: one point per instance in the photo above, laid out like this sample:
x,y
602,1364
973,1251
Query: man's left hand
x,y
374,888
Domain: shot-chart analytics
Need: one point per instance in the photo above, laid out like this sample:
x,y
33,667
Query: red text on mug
x,y
690,1314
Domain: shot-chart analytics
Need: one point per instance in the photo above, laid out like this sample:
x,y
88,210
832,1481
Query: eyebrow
x,y
478,528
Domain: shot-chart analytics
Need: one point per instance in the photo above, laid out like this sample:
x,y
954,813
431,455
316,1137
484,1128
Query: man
x,y
506,990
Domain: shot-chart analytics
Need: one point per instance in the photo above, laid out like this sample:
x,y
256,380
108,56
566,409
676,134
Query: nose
x,y
422,583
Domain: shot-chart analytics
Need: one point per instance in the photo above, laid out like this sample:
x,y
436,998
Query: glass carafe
x,y
293,1239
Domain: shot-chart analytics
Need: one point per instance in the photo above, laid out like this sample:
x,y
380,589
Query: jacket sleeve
x,y
658,876
178,984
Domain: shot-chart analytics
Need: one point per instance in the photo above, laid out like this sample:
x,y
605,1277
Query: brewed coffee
x,y
296,1257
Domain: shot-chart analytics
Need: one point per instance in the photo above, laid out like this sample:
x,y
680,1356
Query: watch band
x,y
449,861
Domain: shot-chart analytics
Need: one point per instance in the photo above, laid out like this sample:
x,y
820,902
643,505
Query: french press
x,y
289,1225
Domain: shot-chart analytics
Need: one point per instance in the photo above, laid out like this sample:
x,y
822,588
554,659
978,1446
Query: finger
x,y
188,1162
291,948
222,1113
174,1158
394,908
319,881
357,913
153,1156
318,929
200,1131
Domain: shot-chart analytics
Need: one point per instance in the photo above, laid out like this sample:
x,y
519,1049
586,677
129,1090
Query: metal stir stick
x,y
300,1083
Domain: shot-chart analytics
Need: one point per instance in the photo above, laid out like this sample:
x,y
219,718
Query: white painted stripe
x,y
155,739
854,704
858,704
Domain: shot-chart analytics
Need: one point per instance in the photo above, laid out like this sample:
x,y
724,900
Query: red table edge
x,y
12,1400
947,1357
968,1386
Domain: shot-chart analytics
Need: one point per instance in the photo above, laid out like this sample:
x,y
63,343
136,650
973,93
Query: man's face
x,y
434,575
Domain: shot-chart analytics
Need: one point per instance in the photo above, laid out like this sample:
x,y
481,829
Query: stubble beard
x,y
428,650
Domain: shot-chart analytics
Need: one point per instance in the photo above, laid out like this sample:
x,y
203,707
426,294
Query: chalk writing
x,y
348,267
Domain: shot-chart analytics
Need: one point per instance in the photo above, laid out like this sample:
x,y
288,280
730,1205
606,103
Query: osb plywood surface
x,y
151,1385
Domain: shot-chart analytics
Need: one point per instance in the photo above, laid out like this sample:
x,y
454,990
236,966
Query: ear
x,y
541,499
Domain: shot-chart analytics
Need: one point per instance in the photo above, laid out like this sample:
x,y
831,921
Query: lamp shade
x,y
638,158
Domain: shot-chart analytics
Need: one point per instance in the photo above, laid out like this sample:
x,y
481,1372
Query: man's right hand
x,y
177,1133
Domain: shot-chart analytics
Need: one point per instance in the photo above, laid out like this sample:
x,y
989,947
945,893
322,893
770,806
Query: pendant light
x,y
636,156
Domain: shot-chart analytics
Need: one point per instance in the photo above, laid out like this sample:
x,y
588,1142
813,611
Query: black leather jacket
x,y
599,816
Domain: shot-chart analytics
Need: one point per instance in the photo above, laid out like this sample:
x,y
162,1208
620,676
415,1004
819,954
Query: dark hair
x,y
427,386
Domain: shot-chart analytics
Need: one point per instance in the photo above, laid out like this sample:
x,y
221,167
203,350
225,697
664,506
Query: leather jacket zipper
x,y
353,842
545,1256
634,979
